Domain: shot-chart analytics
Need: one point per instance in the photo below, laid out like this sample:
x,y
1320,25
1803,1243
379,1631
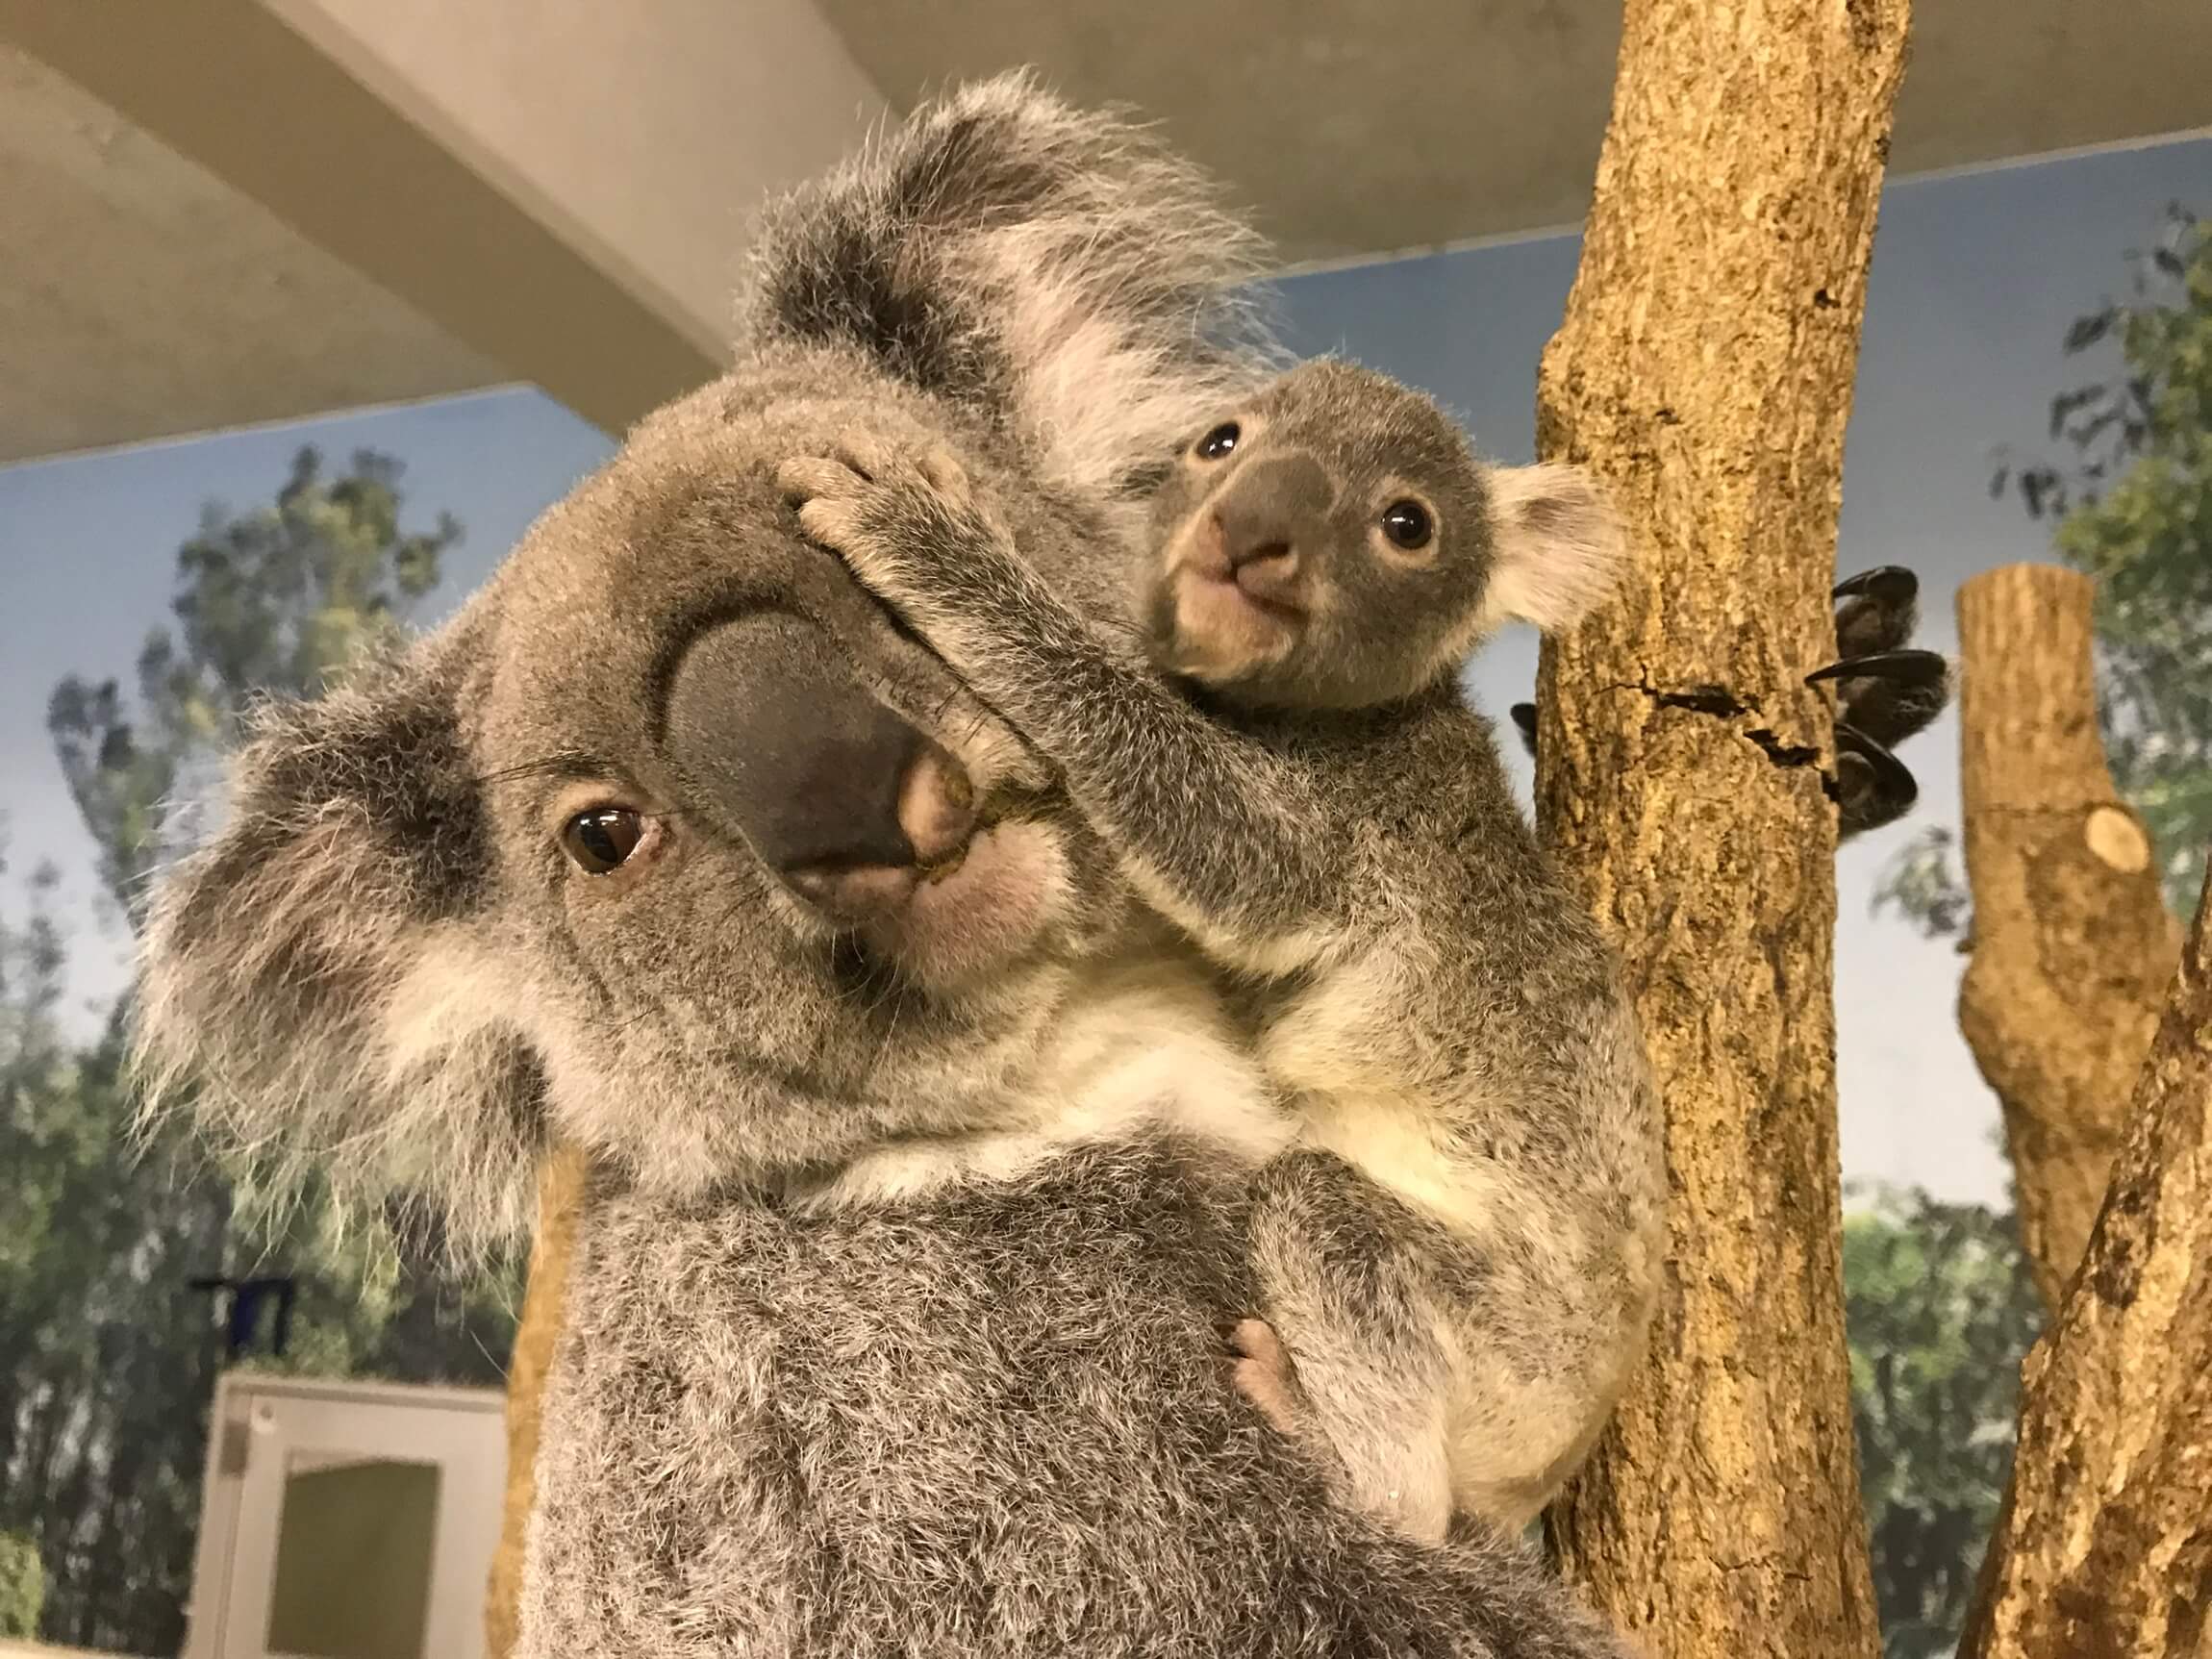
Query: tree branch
x,y
1705,367
2104,1547
560,1199
2072,945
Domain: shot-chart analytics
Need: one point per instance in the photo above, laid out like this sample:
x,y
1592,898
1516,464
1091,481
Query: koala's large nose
x,y
778,741
1266,513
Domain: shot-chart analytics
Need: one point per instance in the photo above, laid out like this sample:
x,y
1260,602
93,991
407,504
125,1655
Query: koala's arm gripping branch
x,y
1221,836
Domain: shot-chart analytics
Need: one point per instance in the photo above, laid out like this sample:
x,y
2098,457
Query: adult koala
x,y
897,1315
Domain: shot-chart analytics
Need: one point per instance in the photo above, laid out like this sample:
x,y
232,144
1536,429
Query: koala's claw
x,y
1876,610
1885,693
1874,788
1906,667
871,500
873,459
1889,696
1262,1374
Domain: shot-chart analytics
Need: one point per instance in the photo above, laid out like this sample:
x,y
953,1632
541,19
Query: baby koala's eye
x,y
1218,442
1408,525
600,840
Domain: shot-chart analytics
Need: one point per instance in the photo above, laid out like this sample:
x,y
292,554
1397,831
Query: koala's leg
x,y
1263,1375
1348,1359
1502,1143
1454,1366
1225,837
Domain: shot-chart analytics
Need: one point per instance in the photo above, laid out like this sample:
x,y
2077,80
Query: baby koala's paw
x,y
1262,1373
897,514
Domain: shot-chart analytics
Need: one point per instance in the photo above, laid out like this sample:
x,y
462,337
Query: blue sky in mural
x,y
1974,280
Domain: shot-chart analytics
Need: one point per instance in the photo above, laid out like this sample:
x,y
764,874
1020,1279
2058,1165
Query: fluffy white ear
x,y
1559,545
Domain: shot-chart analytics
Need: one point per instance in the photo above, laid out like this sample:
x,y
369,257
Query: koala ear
x,y
317,987
1559,545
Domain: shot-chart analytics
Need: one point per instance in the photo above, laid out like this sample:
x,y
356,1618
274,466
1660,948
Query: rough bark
x,y
2073,943
560,1188
2104,1547
1705,367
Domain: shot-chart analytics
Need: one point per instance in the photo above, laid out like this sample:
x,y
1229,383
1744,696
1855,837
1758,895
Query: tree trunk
x,y
2104,1547
1705,368
2073,943
558,1188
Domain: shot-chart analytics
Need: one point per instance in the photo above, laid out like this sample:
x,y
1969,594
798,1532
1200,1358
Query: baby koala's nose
x,y
1262,517
1265,571
1243,554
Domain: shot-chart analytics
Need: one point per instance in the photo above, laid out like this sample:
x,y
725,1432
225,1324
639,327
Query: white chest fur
x,y
1143,1044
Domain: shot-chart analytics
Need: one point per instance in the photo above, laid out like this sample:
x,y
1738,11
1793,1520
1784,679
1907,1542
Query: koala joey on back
x,y
1459,1251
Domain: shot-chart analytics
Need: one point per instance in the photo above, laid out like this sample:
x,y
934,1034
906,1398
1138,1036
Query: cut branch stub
x,y
2073,945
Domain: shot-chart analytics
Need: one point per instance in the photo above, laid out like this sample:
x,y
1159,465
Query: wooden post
x,y
1705,368
2104,1547
2073,943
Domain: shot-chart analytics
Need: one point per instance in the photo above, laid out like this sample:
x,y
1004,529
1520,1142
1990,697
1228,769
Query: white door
x,y
361,1522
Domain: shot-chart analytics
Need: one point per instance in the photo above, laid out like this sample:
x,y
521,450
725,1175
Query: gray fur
x,y
989,1422
898,1300
1445,1018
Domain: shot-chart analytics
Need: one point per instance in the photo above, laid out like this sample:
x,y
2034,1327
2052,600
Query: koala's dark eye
x,y
1218,442
1408,525
601,840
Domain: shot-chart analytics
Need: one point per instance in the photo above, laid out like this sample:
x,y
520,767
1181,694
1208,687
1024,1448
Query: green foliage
x,y
1940,1311
107,1360
2142,526
2131,506
22,1585
277,599
1923,884
107,1367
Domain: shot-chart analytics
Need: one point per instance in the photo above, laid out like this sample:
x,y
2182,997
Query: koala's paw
x,y
1885,693
1262,1373
897,514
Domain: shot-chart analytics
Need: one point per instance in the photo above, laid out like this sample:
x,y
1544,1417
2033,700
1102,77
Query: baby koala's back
x,y
1466,962
996,1420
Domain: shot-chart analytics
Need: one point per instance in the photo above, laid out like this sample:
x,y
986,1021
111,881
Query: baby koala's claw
x,y
879,460
1262,1374
886,507
863,462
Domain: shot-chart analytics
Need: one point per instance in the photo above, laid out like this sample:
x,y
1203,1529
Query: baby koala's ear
x,y
1559,545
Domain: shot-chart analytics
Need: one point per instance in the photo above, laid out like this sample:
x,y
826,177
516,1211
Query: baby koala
x,y
1337,545
1459,1251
